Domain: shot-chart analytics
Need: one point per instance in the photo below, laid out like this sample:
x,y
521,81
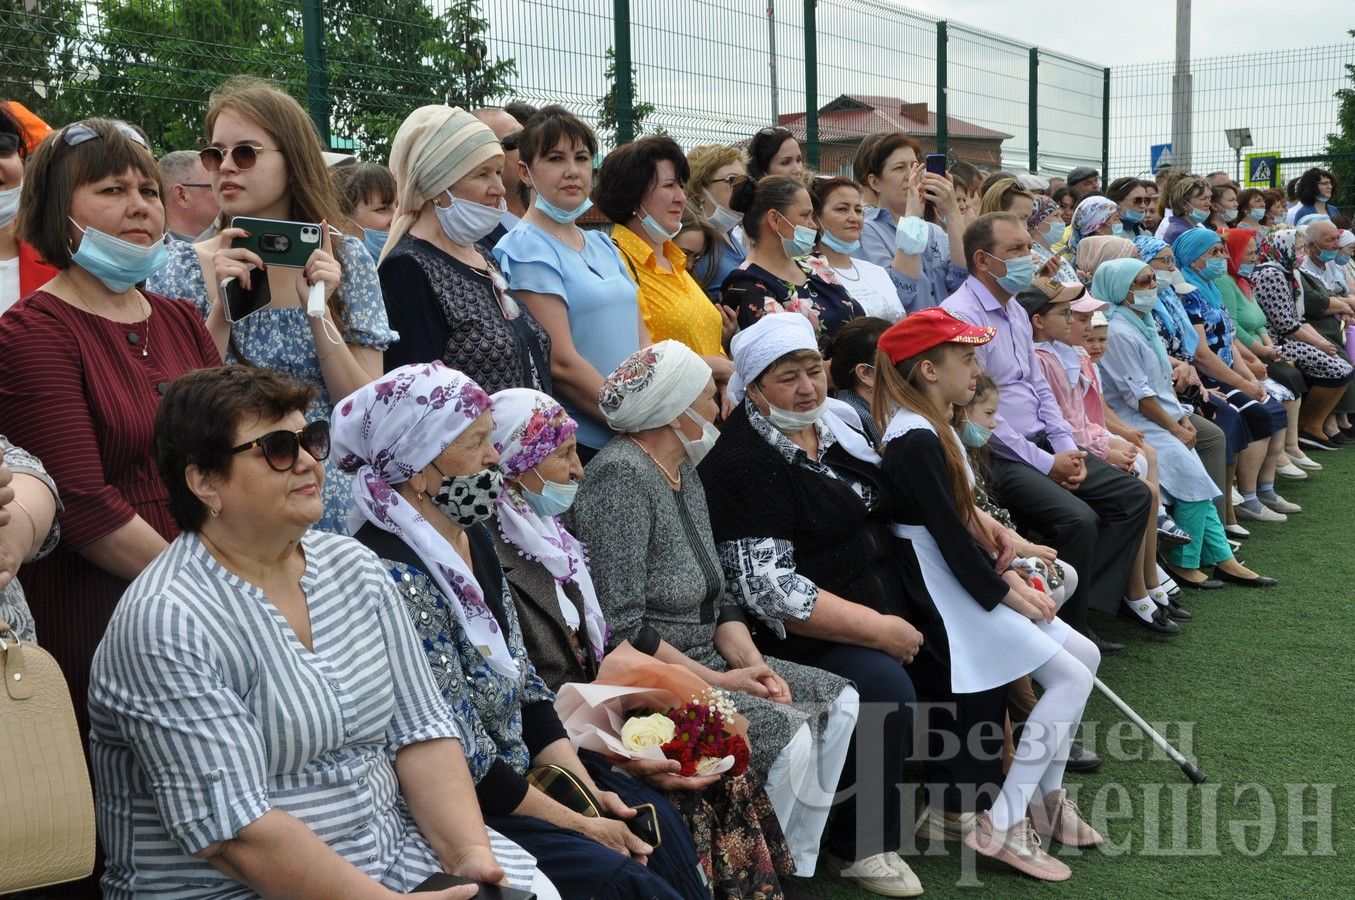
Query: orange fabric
x,y
33,272
628,667
35,129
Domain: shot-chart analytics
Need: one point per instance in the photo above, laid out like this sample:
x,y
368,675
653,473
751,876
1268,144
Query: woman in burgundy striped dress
x,y
84,361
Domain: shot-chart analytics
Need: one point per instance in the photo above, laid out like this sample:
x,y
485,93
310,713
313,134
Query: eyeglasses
x,y
280,448
198,184
79,133
728,180
9,144
243,156
1143,282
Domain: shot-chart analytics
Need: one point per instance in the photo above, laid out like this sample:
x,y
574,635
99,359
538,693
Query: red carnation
x,y
737,746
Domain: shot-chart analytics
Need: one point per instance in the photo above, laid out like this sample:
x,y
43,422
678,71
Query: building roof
x,y
852,116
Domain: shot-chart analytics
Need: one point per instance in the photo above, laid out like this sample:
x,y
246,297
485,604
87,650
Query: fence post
x,y
1105,125
1033,102
317,71
811,85
942,122
625,122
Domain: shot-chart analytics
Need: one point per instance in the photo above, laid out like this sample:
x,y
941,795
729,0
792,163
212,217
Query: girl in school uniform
x,y
995,626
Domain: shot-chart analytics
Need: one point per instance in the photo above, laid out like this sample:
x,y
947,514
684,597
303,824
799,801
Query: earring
x,y
214,511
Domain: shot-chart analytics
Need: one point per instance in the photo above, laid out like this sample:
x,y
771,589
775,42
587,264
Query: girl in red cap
x,y
994,626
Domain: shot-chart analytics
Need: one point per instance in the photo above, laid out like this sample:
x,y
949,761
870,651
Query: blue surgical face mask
x,y
1326,256
1214,269
1131,215
974,435
555,213
9,205
1229,215
657,233
1343,259
1245,269
1198,215
1054,230
554,500
1117,230
802,243
1019,275
1256,214
838,246
374,240
117,263
1143,301
1322,198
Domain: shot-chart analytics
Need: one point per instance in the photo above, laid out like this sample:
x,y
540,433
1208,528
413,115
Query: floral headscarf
x,y
390,429
1280,249
1044,207
1090,215
652,387
528,427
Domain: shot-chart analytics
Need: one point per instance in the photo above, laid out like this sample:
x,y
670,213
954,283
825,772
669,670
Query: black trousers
x,y
1097,528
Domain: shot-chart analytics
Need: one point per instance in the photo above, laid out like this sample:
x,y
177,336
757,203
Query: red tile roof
x,y
852,116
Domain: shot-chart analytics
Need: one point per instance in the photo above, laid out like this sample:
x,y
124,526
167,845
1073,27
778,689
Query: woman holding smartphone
x,y
265,163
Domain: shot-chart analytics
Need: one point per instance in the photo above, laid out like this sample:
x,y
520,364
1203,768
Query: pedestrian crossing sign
x,y
1263,169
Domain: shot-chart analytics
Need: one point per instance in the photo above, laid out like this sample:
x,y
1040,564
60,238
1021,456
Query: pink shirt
x,y
1073,401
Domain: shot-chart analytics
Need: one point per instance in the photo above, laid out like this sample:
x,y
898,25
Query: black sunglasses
x,y
10,144
280,448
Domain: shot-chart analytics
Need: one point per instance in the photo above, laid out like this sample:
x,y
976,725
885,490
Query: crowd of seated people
x,y
869,454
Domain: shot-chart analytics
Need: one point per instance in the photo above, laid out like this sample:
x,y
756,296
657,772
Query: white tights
x,y
1037,767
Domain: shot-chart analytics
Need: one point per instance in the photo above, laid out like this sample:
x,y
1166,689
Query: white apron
x,y
988,648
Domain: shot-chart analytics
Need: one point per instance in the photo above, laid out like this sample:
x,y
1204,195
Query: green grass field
x,y
1261,681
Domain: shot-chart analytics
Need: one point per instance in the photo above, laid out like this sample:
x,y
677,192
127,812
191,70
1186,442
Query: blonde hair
x,y
703,162
1000,195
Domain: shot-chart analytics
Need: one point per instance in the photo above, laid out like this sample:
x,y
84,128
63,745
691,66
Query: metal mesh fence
x,y
1286,98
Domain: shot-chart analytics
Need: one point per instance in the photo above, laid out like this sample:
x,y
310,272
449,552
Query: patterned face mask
x,y
467,499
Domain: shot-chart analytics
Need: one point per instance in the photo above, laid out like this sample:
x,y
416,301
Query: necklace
x,y
132,337
675,480
842,273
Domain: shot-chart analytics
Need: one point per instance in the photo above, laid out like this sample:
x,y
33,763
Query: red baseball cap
x,y
927,328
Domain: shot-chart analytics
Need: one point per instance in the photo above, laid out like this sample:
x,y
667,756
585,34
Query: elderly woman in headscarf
x,y
642,513
425,482
1094,215
1324,364
1202,258
1046,226
801,524
442,290
1136,376
739,843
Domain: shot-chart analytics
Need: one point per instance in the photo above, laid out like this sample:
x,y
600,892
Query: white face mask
x,y
722,219
9,205
696,450
789,420
465,221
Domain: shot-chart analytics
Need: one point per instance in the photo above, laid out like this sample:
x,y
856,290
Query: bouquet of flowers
x,y
640,708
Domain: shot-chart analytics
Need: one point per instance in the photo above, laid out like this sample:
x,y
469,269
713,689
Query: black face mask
x,y
467,499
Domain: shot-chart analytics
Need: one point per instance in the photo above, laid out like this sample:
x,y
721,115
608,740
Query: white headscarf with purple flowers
x,y
385,432
528,427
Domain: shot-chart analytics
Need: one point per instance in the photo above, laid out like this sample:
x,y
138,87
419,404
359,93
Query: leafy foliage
x,y
1341,144
608,112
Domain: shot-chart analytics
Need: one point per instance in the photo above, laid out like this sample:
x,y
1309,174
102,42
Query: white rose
x,y
644,732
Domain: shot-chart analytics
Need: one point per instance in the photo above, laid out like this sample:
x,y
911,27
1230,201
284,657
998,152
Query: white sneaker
x,y
1280,505
1306,462
936,827
1261,514
878,875
1289,470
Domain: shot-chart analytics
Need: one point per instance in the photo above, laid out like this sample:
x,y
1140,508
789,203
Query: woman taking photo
x,y
886,293
573,281
443,293
243,742
779,275
265,162
87,359
710,182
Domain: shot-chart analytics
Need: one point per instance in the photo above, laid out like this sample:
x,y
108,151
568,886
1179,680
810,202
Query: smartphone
x,y
442,881
278,242
936,163
239,302
645,824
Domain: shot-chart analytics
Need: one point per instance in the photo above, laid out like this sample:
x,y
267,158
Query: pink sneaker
x,y
1019,848
1059,818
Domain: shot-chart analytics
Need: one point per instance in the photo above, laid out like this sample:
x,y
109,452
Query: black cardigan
x,y
753,491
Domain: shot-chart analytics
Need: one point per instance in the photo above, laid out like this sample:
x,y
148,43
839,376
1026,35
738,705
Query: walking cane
x,y
1192,771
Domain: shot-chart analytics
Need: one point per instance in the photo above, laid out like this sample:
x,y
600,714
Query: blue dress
x,y
281,340
599,294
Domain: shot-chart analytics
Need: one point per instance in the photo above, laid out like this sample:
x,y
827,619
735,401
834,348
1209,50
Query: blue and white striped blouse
x,y
207,711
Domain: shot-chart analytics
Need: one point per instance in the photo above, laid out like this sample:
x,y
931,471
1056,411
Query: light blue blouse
x,y
601,297
942,276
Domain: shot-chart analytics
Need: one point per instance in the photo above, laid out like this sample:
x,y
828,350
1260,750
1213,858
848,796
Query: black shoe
x,y
1209,584
1106,648
1341,439
1080,759
1260,581
1159,625
1176,612
1313,442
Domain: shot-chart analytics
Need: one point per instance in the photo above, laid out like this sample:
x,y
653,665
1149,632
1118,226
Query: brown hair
x,y
755,199
895,388
853,345
763,146
359,183
545,129
703,266
1178,190
56,169
822,187
630,171
876,149
704,162
979,235
196,421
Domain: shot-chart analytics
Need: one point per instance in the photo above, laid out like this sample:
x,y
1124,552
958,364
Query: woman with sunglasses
x,y
265,162
21,270
443,292
243,742
86,361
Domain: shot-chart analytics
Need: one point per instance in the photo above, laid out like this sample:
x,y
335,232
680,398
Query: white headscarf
x,y
385,432
653,386
528,427
757,347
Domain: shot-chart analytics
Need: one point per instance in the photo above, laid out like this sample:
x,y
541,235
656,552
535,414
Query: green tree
x,y
608,111
39,44
1341,144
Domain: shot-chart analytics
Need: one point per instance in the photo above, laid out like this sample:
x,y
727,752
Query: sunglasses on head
x,y
79,133
10,144
511,141
280,448
772,130
243,156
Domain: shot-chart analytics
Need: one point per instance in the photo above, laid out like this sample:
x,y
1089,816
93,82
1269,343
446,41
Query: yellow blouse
x,y
672,303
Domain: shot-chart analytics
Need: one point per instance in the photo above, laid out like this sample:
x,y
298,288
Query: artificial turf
x,y
1262,679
